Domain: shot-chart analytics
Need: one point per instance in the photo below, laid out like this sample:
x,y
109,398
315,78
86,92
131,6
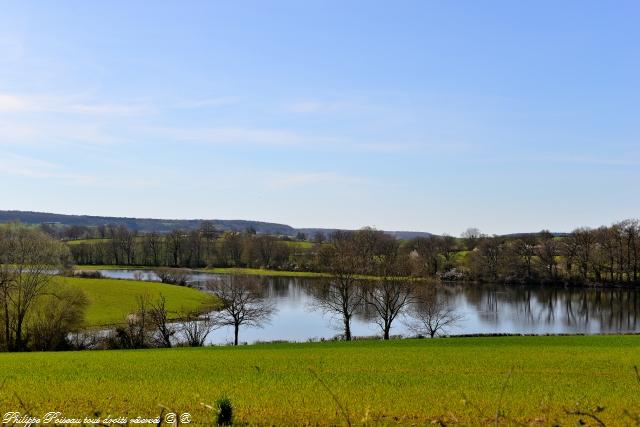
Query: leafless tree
x,y
241,303
432,314
159,318
389,297
393,292
547,251
585,240
28,260
471,237
175,242
428,250
232,248
196,328
525,248
137,331
152,248
341,295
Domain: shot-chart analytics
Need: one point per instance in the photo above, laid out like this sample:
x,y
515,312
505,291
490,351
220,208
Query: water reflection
x,y
486,309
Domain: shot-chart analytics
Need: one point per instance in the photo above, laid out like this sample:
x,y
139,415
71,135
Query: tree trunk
x,y
347,329
236,329
18,339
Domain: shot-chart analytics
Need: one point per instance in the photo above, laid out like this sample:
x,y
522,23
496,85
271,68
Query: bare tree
x,y
389,297
196,328
585,240
547,252
432,314
471,237
29,259
152,248
428,250
175,242
137,330
525,249
341,295
241,304
159,319
393,292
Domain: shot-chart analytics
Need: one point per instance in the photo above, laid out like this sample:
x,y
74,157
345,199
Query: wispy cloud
x,y
315,106
12,49
85,134
302,179
240,136
13,103
29,167
206,102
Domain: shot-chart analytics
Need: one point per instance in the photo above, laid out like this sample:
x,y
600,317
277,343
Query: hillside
x,y
167,225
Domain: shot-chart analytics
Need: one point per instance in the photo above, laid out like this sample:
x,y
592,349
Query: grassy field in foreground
x,y
530,380
111,300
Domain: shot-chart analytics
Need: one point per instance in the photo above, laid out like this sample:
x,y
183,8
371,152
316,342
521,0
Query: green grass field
x,y
111,300
528,380
82,241
263,272
218,270
111,267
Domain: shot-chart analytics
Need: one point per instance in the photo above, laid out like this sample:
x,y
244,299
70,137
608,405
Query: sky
x,y
428,115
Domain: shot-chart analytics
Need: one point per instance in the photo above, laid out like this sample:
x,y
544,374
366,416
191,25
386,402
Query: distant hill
x,y
167,225
143,224
402,235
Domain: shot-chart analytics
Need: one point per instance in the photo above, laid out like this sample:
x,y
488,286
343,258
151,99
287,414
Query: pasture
x,y
110,300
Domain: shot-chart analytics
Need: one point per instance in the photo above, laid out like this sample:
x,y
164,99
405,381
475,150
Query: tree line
x,y
198,248
602,255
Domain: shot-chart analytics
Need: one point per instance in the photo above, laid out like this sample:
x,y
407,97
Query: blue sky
x,y
434,116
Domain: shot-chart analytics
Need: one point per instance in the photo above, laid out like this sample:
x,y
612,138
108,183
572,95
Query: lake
x,y
486,309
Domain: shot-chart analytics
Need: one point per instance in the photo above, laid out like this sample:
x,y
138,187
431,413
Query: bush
x,y
55,318
173,276
88,274
225,411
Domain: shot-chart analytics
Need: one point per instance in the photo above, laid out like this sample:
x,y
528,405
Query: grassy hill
x,y
463,381
111,300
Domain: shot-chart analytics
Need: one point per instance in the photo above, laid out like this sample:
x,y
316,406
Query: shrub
x,y
173,276
88,274
225,411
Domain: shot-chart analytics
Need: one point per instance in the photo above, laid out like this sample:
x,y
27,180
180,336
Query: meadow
x,y
110,300
262,272
465,381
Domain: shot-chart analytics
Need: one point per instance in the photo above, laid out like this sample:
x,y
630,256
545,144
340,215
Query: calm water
x,y
487,309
